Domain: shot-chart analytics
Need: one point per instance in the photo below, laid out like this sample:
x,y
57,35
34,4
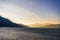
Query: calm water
x,y
16,33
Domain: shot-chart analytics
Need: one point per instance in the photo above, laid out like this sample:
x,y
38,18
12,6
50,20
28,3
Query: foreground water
x,y
16,33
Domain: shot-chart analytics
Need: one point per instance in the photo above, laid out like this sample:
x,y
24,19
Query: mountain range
x,y
4,22
45,25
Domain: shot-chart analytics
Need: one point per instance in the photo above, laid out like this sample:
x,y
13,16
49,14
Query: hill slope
x,y
37,25
4,22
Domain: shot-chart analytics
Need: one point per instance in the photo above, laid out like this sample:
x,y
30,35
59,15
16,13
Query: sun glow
x,y
18,14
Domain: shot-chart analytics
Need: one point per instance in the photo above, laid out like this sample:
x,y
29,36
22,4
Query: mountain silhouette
x,y
53,26
4,22
45,25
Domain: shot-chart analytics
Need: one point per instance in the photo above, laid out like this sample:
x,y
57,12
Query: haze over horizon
x,y
31,11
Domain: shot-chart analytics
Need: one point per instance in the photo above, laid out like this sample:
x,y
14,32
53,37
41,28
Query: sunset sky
x,y
31,11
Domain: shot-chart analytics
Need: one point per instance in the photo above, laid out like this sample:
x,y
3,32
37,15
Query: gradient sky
x,y
31,11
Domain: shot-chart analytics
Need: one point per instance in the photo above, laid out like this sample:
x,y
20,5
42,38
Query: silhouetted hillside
x,y
4,22
37,25
53,26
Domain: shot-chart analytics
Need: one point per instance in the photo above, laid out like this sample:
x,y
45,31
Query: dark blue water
x,y
17,33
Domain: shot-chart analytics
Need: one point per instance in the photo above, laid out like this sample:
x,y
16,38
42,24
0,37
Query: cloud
x,y
18,14
28,12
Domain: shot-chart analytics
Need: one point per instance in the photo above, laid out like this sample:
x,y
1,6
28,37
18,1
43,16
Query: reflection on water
x,y
16,33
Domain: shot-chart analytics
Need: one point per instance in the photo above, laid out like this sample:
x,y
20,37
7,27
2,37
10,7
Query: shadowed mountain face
x,y
7,23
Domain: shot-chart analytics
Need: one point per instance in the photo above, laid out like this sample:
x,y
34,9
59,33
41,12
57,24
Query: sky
x,y
31,11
